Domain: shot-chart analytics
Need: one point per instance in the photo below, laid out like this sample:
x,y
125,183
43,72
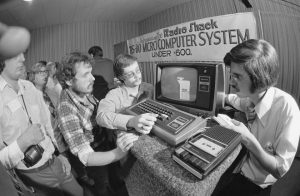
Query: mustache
x,y
234,87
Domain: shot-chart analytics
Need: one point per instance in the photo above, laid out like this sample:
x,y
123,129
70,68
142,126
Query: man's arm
x,y
108,112
278,162
124,143
12,153
108,116
79,144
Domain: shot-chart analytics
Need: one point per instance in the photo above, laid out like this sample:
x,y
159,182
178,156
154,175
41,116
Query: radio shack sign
x,y
206,39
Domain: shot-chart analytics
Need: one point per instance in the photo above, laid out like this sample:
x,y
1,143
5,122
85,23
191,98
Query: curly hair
x,y
67,69
260,61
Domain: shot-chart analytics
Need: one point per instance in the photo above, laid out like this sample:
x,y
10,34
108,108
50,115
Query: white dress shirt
x,y
277,129
14,121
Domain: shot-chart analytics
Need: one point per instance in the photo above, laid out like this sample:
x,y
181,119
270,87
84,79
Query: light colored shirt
x,y
53,90
14,121
111,109
277,129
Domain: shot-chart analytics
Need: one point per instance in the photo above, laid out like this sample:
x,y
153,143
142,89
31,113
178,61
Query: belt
x,y
40,168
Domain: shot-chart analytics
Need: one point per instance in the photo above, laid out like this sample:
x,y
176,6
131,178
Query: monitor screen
x,y
193,87
179,83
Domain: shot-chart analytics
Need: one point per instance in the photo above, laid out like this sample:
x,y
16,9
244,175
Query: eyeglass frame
x,y
42,72
132,74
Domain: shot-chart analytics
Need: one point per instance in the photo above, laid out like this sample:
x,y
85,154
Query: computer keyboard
x,y
149,107
172,125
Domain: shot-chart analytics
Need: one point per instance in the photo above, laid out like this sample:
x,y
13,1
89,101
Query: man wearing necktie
x,y
272,131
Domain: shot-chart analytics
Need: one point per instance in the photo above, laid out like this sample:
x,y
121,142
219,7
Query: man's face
x,y
83,81
41,77
14,67
239,80
132,75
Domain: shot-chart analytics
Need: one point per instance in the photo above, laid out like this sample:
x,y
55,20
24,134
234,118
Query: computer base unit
x,y
202,153
172,125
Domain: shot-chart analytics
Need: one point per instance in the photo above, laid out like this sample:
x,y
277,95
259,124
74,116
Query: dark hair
x,y
122,61
96,51
260,61
67,69
43,62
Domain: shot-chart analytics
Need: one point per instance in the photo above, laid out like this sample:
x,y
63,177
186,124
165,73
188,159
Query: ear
x,y
69,83
121,79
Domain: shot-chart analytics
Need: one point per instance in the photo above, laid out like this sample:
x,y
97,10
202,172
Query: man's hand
x,y
65,164
142,123
239,127
125,140
33,135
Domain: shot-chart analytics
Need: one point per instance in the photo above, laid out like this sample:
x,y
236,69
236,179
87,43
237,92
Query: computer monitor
x,y
198,87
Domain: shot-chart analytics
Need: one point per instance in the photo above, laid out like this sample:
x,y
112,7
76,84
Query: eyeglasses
x,y
234,76
132,74
45,72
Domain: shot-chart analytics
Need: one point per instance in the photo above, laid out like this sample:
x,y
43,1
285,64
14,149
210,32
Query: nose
x,y
92,78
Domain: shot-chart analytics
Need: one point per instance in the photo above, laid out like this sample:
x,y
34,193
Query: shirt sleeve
x,y
108,115
69,124
11,155
287,140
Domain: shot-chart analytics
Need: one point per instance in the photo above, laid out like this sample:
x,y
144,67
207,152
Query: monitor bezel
x,y
217,88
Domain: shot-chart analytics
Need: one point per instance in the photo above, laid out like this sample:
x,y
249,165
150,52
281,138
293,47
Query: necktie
x,y
251,115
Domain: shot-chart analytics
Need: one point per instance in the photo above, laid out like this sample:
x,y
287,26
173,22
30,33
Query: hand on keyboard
x,y
142,123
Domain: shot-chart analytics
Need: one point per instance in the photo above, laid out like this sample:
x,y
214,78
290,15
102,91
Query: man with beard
x,y
272,131
77,112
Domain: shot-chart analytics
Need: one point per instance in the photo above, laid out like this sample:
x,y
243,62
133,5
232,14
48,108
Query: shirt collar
x,y
142,88
263,107
21,87
77,100
3,84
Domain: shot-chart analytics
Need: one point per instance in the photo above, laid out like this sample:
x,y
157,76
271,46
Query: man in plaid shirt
x,y
76,117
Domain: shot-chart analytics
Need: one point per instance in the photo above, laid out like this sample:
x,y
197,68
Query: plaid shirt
x,y
76,121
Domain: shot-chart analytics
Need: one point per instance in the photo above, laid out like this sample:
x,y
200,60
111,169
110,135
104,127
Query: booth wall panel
x,y
53,42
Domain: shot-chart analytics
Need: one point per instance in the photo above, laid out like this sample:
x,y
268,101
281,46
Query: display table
x,y
156,173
